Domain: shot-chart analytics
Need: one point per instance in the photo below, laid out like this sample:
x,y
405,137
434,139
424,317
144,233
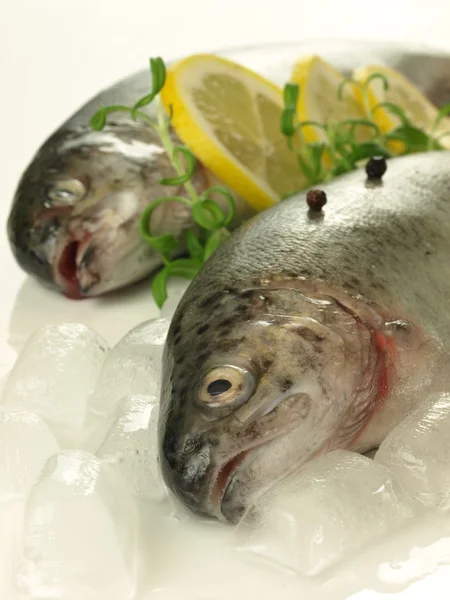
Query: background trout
x,y
74,220
307,332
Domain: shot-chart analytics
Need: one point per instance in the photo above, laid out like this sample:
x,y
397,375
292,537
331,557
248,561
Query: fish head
x,y
74,223
255,383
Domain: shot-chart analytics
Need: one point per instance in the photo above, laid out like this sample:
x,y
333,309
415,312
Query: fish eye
x,y
219,386
227,385
66,191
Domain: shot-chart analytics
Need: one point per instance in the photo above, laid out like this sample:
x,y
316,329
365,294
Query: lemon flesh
x,y
230,118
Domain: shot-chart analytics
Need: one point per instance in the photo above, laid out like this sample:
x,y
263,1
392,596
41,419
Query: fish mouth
x,y
224,478
72,259
67,269
226,503
221,491
92,264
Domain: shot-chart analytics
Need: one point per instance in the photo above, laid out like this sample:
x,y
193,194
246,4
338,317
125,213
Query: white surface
x,y
54,55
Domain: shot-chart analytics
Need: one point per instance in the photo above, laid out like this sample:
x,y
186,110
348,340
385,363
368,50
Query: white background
x,y
55,54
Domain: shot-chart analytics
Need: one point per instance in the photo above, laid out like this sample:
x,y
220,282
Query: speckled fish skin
x,y
341,318
74,221
87,243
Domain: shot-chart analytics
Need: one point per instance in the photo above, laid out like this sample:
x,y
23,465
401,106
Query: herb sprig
x,y
339,150
211,228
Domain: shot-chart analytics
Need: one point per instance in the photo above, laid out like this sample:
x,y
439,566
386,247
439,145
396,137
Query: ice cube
x,y
333,505
417,452
25,445
80,533
131,447
54,375
133,367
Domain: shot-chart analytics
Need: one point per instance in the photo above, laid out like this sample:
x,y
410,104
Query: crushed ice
x,y
79,478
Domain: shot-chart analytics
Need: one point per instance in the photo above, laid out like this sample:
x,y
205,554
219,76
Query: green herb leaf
x,y
140,103
287,122
313,124
415,139
290,95
222,191
158,70
343,158
306,168
443,112
338,169
345,83
395,110
182,267
208,214
354,123
159,286
190,170
375,76
214,241
193,245
185,267
316,151
165,243
98,121
338,134
368,150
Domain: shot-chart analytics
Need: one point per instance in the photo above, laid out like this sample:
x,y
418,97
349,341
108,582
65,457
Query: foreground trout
x,y
305,333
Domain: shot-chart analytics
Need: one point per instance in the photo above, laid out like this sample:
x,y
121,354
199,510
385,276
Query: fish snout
x,y
73,267
187,469
95,240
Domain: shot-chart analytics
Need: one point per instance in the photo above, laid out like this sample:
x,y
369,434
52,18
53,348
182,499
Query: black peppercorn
x,y
376,167
316,199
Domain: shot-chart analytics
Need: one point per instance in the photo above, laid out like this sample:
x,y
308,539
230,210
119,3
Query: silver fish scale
x,y
390,243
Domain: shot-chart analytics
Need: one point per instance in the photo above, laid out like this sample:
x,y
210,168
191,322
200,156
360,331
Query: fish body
x,y
307,332
74,220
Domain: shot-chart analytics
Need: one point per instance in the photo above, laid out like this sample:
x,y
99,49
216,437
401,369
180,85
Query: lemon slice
x,y
319,98
419,110
230,117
